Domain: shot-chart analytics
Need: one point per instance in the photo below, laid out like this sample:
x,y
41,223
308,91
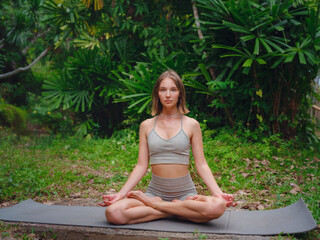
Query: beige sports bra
x,y
175,150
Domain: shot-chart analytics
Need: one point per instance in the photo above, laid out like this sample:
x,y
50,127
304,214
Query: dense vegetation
x,y
245,63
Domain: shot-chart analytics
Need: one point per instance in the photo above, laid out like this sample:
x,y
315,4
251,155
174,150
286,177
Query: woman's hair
x,y
156,104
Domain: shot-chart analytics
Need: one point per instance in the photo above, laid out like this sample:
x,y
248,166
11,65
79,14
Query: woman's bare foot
x,y
148,201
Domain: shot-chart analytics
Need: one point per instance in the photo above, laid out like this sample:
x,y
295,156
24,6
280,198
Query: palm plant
x,y
268,50
85,86
66,19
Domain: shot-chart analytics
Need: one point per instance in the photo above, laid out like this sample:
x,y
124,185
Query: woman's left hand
x,y
228,198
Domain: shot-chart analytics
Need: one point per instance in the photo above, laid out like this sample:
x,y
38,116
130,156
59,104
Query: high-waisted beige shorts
x,y
171,188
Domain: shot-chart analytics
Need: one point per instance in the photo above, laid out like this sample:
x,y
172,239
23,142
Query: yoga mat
x,y
295,218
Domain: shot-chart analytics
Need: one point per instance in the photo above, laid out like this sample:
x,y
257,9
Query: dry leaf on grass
x,y
295,188
245,175
260,207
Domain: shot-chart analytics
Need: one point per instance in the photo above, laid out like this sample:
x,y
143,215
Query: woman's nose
x,y
168,93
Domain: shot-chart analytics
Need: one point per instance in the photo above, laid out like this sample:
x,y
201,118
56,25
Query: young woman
x,y
165,139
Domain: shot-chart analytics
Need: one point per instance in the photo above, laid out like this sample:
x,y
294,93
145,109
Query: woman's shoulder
x,y
147,124
189,121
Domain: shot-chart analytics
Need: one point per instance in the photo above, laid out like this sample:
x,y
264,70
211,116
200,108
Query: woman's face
x,y
168,93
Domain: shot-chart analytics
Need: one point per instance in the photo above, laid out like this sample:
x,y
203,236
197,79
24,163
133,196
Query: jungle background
x,y
76,78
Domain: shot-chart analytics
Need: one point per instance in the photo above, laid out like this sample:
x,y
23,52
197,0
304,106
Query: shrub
x,y
13,117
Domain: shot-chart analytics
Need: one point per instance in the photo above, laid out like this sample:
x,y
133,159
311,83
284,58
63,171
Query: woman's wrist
x,y
217,193
122,194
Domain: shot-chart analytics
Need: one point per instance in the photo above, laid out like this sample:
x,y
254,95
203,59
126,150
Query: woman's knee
x,y
114,215
216,209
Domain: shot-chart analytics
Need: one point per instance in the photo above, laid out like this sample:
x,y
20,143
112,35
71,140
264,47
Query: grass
x,y
265,175
12,231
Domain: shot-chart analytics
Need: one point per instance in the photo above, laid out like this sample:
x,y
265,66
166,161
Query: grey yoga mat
x,y
295,218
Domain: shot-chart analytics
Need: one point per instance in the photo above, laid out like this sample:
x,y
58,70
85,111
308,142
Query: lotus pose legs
x,y
197,208
129,211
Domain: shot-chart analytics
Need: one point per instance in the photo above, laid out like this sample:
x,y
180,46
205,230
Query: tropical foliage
x,y
248,64
267,59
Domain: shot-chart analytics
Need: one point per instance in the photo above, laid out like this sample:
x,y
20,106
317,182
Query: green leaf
x,y
261,61
144,106
277,62
221,75
256,47
134,95
302,59
205,72
247,37
235,27
260,25
231,55
289,57
139,101
246,70
311,57
275,46
228,48
247,63
266,46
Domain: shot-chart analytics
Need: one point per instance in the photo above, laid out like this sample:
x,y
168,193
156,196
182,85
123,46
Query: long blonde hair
x,y
156,104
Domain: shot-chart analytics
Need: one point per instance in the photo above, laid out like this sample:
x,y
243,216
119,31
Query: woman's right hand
x,y
110,199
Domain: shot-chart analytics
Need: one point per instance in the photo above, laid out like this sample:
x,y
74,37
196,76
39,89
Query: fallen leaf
x,y
245,175
76,195
263,192
91,181
260,207
240,192
294,185
295,190
5,204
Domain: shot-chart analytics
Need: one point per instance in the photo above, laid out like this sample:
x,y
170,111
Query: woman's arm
x,y
143,162
139,170
200,161
202,165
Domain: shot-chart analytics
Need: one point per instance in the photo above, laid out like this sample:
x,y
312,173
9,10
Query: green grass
x,y
265,175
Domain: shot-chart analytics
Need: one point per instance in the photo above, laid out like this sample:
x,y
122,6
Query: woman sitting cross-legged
x,y
166,139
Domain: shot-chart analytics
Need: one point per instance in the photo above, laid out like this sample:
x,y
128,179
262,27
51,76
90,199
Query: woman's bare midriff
x,y
169,170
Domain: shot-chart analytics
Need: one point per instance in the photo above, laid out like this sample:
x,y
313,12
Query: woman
x,y
165,139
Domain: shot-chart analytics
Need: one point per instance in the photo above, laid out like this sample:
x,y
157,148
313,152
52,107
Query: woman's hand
x,y
228,198
110,199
